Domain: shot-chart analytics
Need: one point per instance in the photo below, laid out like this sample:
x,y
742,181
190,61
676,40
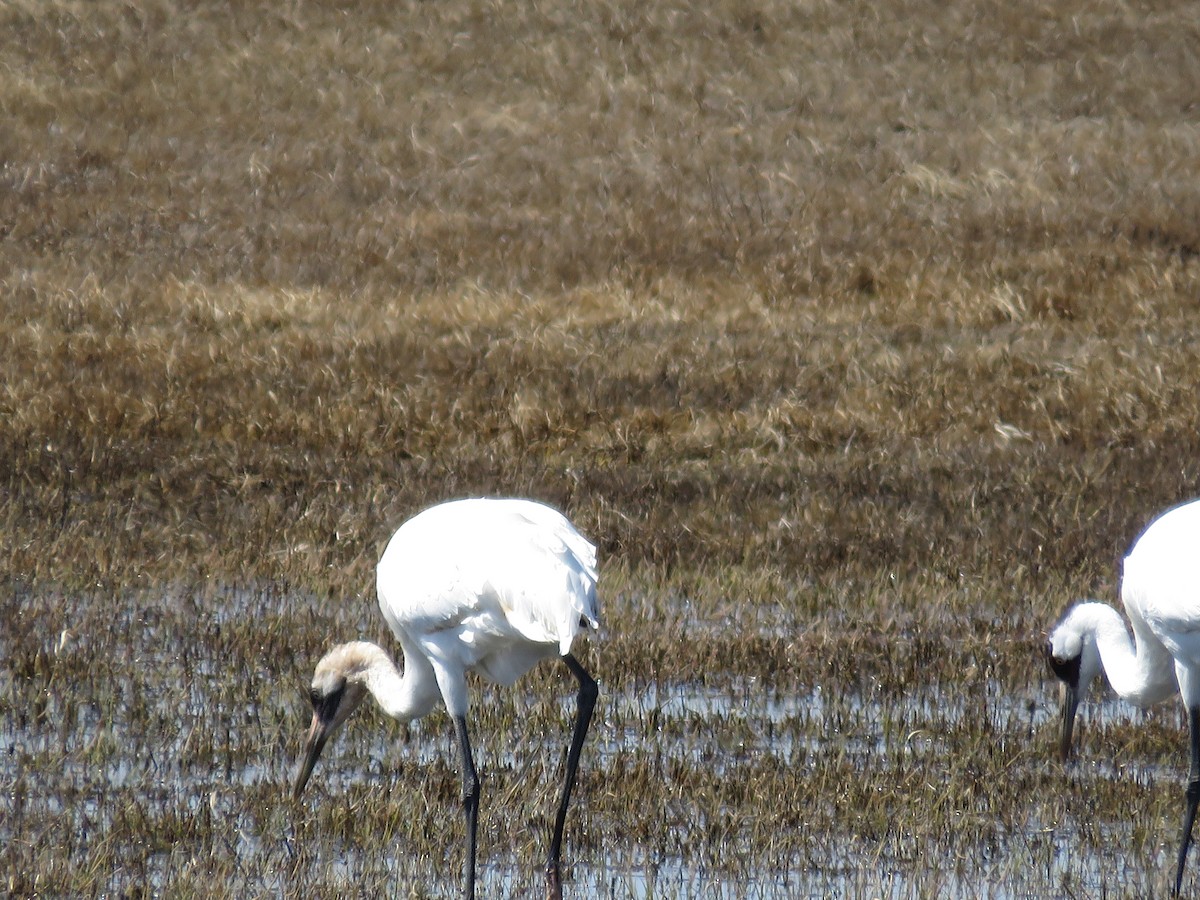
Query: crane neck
x,y
1140,669
404,696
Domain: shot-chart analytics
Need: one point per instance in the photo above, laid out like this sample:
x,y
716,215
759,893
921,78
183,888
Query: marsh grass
x,y
860,338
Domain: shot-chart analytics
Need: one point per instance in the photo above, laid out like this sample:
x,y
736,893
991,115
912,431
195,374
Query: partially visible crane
x,y
1160,587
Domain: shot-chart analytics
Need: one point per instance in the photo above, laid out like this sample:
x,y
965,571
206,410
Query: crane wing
x,y
1159,581
494,565
545,576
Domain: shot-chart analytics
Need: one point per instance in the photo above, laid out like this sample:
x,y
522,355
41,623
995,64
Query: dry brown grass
x,y
861,338
805,282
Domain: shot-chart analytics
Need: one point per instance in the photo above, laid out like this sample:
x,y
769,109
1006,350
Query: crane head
x,y
337,690
1072,656
1066,670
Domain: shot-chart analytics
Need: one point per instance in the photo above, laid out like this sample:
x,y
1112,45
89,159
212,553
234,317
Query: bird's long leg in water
x,y
470,793
1193,795
586,702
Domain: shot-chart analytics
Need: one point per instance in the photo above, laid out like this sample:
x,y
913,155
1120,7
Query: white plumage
x,y
491,586
1162,582
1160,589
472,578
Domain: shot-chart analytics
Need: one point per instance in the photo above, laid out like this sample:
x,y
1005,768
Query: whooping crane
x,y
1160,587
485,585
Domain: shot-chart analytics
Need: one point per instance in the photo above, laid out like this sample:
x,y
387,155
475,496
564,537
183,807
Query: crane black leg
x,y
470,795
585,703
1193,795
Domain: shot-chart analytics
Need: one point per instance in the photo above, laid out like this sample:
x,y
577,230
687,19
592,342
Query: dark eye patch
x,y
1064,669
325,705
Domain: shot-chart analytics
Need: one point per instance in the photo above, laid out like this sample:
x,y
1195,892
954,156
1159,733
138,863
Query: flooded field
x,y
150,741
861,338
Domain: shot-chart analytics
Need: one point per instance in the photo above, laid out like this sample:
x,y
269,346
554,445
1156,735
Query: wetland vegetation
x,y
861,339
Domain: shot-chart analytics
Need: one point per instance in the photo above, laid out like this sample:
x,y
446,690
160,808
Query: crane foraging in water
x,y
1160,588
491,586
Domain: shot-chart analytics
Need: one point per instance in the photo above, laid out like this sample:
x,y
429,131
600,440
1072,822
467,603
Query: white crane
x,y
486,585
1160,587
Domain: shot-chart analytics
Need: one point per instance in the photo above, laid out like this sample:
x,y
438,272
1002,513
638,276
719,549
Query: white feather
x,y
493,585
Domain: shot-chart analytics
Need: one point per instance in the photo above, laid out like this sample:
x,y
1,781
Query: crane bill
x,y
318,734
1070,706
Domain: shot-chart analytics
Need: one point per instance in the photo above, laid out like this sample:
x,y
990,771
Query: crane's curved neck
x,y
1140,670
404,696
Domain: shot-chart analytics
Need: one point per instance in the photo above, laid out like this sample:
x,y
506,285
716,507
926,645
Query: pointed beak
x,y
1068,672
1070,706
318,734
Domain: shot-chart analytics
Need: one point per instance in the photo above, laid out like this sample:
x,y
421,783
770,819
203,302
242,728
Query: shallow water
x,y
158,749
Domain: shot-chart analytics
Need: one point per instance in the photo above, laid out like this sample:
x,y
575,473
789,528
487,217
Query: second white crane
x,y
1160,587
